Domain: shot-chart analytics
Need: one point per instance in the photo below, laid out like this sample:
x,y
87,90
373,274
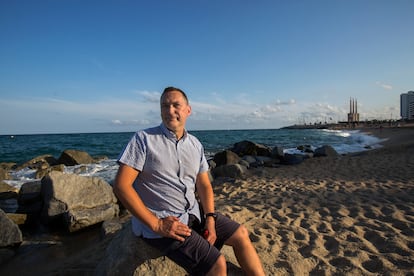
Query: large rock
x,y
10,234
326,151
277,152
4,174
226,157
10,237
131,255
7,191
250,148
29,199
72,157
39,162
292,159
8,197
232,170
80,201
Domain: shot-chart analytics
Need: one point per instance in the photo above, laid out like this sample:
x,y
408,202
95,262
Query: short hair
x,y
171,88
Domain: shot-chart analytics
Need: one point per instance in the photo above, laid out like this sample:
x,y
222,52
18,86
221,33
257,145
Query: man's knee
x,y
219,267
240,236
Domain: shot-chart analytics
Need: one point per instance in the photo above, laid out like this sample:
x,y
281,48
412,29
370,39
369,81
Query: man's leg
x,y
245,252
219,268
195,254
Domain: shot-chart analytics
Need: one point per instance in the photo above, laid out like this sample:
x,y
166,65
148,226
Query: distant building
x,y
407,105
353,115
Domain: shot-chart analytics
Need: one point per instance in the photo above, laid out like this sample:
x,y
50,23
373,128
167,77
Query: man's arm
x,y
206,195
124,190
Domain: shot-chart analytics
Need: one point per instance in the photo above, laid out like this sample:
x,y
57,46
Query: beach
x,y
350,215
346,215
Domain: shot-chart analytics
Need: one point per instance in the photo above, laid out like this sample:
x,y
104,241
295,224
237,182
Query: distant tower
x,y
353,115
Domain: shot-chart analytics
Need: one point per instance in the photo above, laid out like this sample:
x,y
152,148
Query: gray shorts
x,y
195,254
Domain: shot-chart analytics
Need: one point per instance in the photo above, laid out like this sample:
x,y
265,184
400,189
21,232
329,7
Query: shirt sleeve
x,y
203,162
134,153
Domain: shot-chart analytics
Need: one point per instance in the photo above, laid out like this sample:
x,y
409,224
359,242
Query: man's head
x,y
175,109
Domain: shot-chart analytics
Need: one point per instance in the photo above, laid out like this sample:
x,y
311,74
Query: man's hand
x,y
171,227
211,227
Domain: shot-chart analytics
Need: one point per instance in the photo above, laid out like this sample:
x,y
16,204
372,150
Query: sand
x,y
350,215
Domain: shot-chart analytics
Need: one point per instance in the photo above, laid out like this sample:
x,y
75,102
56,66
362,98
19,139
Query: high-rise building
x,y
407,105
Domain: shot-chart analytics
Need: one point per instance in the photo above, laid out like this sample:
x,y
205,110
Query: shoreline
x,y
349,215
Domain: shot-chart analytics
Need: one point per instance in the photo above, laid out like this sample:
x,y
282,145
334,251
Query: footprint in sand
x,y
331,244
374,265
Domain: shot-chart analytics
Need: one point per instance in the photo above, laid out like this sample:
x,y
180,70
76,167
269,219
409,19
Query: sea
x,y
22,148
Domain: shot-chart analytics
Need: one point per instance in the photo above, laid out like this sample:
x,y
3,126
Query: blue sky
x,y
99,66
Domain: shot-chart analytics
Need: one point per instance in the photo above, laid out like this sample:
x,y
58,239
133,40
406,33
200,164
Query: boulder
x,y
8,197
41,172
226,157
292,159
18,219
305,148
72,157
76,200
232,170
39,162
10,234
4,174
29,198
10,237
7,191
7,166
128,254
325,150
250,148
277,152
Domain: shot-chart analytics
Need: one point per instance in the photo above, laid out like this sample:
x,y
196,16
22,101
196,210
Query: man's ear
x,y
189,109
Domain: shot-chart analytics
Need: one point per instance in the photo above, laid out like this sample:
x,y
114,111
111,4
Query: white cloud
x,y
40,115
152,97
384,86
117,122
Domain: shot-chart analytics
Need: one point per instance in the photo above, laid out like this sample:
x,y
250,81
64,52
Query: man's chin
x,y
172,125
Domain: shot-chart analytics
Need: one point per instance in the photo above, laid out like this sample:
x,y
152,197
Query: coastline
x,y
348,215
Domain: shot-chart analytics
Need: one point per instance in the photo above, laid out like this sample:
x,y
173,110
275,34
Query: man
x,y
161,171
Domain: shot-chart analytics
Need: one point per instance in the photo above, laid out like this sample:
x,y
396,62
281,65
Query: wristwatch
x,y
214,215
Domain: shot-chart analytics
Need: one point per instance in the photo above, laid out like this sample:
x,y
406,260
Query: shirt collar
x,y
170,134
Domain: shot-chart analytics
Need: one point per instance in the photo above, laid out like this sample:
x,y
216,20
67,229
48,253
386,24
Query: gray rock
x,y
233,170
131,255
4,174
80,201
277,152
226,157
325,151
292,159
72,157
39,162
10,237
10,234
7,191
250,148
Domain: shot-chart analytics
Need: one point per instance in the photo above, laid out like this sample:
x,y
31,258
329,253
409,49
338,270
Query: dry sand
x,y
350,215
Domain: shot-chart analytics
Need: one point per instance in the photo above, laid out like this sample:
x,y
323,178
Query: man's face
x,y
174,111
